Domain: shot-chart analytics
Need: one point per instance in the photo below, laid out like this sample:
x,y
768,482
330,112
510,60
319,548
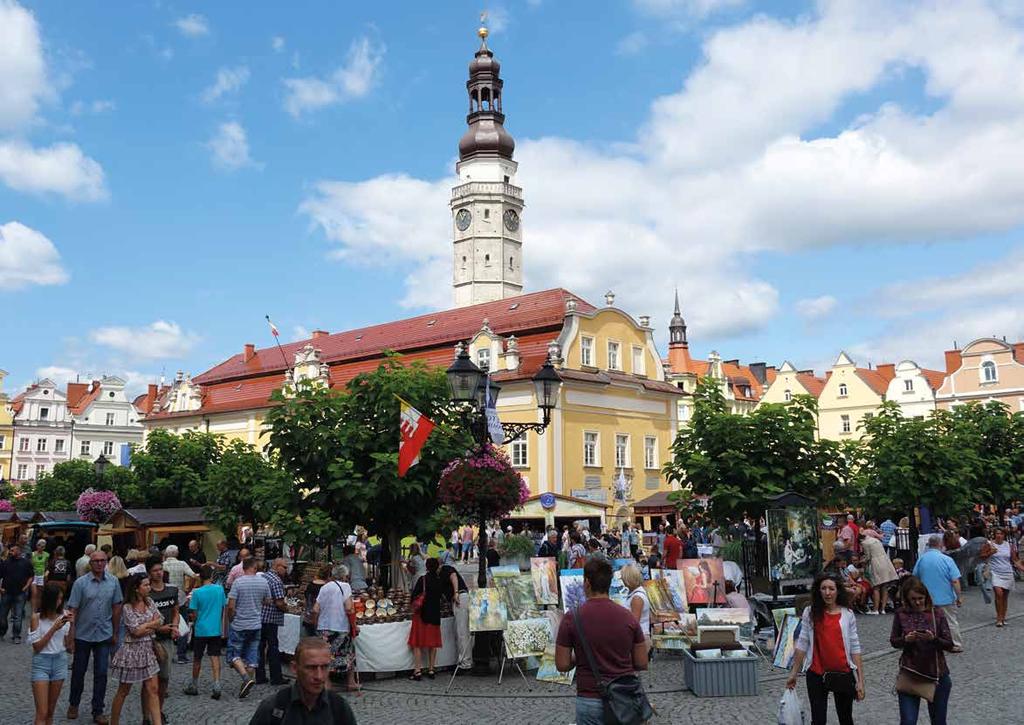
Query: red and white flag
x,y
415,428
273,328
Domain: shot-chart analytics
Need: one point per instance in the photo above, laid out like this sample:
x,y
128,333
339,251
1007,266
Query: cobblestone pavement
x,y
984,680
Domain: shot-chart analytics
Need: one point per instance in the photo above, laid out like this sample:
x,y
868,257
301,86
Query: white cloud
x,y
62,374
193,26
690,8
277,43
155,341
632,43
735,165
228,80
27,257
24,84
1000,280
352,80
299,332
80,108
815,308
498,18
59,169
230,147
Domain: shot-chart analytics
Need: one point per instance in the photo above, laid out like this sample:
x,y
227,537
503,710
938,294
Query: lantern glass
x,y
464,379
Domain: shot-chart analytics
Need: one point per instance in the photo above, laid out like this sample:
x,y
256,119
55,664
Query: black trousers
x,y
270,654
818,697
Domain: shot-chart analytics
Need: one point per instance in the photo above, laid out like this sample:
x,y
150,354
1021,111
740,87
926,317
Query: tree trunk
x,y
481,576
391,576
912,534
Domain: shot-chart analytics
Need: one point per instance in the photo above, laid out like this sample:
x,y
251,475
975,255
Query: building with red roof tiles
x,y
42,430
986,369
742,385
914,388
790,382
850,395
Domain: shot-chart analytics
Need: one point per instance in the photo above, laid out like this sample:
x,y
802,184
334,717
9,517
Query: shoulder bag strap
x,y
935,626
578,620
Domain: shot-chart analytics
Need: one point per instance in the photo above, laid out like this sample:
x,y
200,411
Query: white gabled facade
x,y
106,423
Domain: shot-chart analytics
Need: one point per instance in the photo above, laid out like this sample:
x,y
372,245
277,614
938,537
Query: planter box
x,y
721,677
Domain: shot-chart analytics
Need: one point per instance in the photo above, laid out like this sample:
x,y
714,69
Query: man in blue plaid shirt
x,y
272,617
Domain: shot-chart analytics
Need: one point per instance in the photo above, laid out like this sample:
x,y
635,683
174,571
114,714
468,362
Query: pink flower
x,y
6,506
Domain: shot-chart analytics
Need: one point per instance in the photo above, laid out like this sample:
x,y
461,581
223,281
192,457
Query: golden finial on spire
x,y
482,30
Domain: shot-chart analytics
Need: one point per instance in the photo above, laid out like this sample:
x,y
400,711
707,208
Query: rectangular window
x,y
908,385
84,449
40,445
2,441
520,453
650,452
23,445
587,351
108,448
22,472
110,416
614,363
483,358
58,445
621,450
44,414
638,361
589,448
40,470
845,423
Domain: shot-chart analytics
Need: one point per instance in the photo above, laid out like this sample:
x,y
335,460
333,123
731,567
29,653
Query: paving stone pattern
x,y
984,688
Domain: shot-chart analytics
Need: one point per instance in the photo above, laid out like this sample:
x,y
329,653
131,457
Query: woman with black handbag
x,y
828,650
921,630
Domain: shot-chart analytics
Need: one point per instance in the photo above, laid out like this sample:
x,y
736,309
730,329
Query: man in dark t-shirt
x,y
165,597
614,636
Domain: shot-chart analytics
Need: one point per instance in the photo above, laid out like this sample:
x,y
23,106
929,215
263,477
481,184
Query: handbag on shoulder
x,y
625,702
917,684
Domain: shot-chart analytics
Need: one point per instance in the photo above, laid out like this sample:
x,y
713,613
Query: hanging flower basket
x,y
6,506
97,506
482,482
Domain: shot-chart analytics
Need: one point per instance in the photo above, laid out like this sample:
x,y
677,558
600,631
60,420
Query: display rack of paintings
x,y
703,580
487,611
544,572
794,549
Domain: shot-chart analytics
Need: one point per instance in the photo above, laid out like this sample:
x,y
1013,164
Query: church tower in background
x,y
486,204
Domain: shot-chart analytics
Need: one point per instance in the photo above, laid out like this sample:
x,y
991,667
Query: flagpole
x,y
277,339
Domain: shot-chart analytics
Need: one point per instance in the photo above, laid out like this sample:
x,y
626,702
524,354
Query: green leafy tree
x,y
990,445
244,486
341,448
59,489
171,469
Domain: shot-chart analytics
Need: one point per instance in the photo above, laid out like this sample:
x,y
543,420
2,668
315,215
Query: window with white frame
x,y
988,372
614,359
788,395
844,423
22,472
650,452
108,448
520,452
842,390
590,451
23,445
621,450
84,448
587,351
44,414
3,440
483,358
908,385
638,361
58,445
110,418
40,470
40,445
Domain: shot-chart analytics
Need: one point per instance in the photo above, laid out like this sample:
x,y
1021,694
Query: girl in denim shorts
x,y
48,635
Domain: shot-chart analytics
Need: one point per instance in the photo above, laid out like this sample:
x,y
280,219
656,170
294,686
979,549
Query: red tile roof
x,y
80,395
436,330
935,378
812,383
874,379
738,376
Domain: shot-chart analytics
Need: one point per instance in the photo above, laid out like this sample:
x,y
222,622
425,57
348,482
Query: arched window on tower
x,y
487,260
485,99
463,262
510,264
497,101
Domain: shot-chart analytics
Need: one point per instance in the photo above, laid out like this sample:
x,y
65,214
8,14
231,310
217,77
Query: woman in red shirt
x,y
673,548
828,650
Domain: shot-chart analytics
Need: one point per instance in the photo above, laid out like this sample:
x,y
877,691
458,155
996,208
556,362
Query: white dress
x,y
1001,566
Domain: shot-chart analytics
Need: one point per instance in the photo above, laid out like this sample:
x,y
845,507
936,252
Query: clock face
x,y
462,219
511,220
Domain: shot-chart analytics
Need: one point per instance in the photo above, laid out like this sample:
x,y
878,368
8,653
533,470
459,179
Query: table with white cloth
x,y
379,647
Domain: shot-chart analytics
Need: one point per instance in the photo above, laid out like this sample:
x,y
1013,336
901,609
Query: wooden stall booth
x,y
142,528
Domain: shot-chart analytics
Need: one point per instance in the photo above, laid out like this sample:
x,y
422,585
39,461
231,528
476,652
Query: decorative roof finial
x,y
482,31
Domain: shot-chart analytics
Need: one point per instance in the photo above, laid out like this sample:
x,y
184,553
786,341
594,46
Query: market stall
x,y
142,528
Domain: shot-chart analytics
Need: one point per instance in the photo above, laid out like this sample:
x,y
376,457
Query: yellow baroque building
x,y
6,432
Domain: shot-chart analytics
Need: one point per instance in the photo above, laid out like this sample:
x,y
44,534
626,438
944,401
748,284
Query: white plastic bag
x,y
791,711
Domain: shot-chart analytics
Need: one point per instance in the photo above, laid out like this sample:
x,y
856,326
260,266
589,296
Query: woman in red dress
x,y
425,634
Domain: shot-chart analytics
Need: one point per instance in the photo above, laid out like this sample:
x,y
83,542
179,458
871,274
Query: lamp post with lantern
x,y
99,467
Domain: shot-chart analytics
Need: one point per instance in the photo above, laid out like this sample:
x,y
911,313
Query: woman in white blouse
x,y
48,635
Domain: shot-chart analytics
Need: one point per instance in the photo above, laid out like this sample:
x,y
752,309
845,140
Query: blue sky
x,y
813,176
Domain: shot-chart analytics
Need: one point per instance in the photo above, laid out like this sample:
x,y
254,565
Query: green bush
x,y
517,546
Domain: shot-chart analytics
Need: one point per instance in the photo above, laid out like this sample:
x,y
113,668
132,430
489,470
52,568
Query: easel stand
x,y
515,660
458,666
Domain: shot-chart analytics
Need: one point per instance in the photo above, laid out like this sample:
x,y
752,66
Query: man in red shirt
x,y
614,636
673,549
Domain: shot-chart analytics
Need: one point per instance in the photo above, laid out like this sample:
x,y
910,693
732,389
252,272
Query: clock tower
x,y
486,204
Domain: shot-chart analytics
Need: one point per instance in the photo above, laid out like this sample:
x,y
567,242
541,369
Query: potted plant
x,y
97,506
517,549
6,507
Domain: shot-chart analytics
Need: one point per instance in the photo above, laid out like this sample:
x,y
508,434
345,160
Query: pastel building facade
x,y
6,432
986,369
790,382
850,395
913,388
105,422
42,429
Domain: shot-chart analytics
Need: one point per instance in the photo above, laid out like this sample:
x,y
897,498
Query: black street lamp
x,y
100,466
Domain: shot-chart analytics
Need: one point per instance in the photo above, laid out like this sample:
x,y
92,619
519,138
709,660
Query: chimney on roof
x,y
760,371
953,361
1018,352
645,320
150,399
317,334
248,352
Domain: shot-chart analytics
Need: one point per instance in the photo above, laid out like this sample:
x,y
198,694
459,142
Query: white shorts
x,y
38,581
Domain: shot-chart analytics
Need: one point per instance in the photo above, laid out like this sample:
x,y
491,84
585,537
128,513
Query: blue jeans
x,y
244,644
910,706
100,652
589,711
13,604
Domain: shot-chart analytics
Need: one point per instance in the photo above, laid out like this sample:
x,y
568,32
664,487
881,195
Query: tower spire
x,y
677,326
486,135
